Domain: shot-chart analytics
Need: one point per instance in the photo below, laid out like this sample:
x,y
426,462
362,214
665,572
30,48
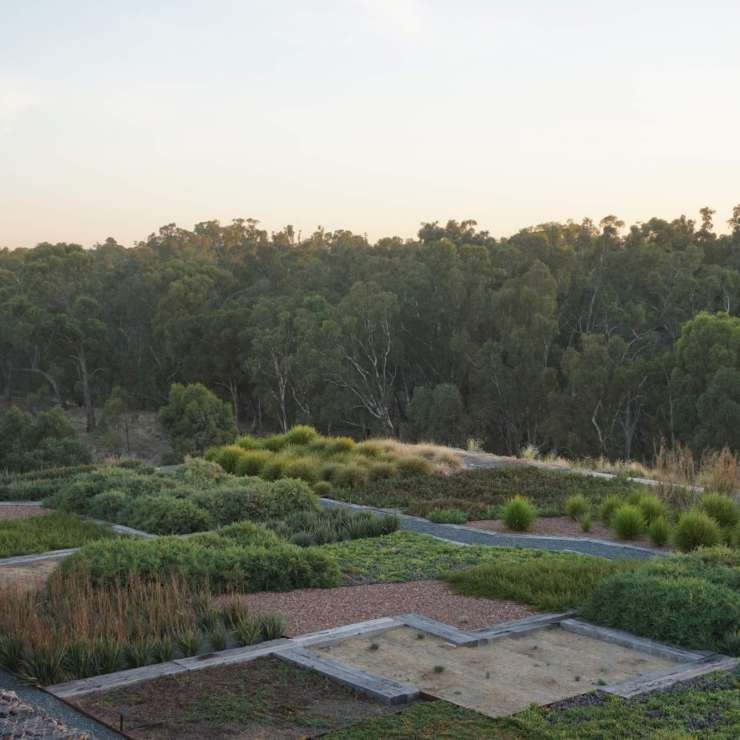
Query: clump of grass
x,y
652,507
576,506
519,514
585,522
659,531
721,508
607,508
447,516
409,466
439,669
695,529
252,462
373,646
628,522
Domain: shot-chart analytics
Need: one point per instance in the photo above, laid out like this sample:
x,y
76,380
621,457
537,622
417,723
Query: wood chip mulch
x,y
314,609
21,512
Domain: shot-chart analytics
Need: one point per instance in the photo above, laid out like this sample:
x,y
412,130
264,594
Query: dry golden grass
x,y
442,458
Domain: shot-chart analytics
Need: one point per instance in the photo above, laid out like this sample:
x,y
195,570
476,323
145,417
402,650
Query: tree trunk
x,y
86,393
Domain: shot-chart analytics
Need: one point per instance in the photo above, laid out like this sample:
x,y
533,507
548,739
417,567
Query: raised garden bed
x,y
264,698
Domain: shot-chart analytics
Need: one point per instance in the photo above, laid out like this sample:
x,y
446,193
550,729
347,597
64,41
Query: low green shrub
x,y
252,462
248,442
652,508
546,581
659,531
273,469
409,466
165,514
519,514
349,476
721,508
303,468
323,488
46,532
585,522
301,435
607,508
109,505
250,568
576,506
628,522
680,609
337,445
695,528
382,471
275,443
447,516
228,457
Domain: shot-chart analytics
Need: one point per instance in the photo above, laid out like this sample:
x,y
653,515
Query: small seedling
x,y
488,674
439,669
601,682
420,635
374,646
577,678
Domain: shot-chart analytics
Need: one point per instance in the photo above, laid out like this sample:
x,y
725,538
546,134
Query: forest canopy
x,y
585,339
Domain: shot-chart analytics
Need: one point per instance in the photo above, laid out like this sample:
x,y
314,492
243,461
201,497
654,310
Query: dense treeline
x,y
566,336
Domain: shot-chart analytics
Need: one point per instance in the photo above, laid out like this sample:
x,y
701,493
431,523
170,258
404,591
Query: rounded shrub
x,y
447,516
273,469
519,514
274,443
252,462
659,531
338,445
322,488
695,529
628,522
248,533
165,514
370,448
409,466
721,508
607,508
382,470
301,434
248,442
735,536
576,506
228,457
330,470
652,508
108,505
585,522
305,468
289,495
350,476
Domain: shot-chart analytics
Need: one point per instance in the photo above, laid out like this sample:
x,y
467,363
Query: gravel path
x,y
465,535
313,609
50,706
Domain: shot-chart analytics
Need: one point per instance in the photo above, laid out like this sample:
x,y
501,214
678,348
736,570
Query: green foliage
x,y
382,471
196,419
607,508
163,514
349,476
304,468
56,531
410,466
301,435
307,528
585,522
545,581
576,506
659,531
323,488
721,508
689,600
447,516
252,462
628,522
519,514
247,568
695,529
46,440
476,491
652,508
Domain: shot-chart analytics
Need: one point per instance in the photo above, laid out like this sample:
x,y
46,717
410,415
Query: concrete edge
x,y
377,687
368,627
21,503
35,557
522,626
657,680
628,640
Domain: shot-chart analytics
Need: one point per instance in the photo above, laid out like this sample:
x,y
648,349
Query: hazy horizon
x,y
369,115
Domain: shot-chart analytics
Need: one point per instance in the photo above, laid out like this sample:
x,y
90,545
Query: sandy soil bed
x,y
500,678
265,698
561,526
310,610
21,512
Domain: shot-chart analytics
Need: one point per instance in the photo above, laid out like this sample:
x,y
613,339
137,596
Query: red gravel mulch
x,y
21,512
313,609
561,526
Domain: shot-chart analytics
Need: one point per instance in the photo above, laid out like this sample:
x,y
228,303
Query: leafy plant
x,y
628,522
659,531
576,506
721,508
695,529
448,516
519,514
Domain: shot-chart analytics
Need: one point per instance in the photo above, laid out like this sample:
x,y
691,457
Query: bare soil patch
x,y
314,609
562,526
21,512
264,698
500,678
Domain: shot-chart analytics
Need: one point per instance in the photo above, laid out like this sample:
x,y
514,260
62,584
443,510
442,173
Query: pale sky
x,y
370,115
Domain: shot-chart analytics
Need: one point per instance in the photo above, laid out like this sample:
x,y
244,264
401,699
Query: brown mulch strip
x,y
264,698
561,526
21,512
313,609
